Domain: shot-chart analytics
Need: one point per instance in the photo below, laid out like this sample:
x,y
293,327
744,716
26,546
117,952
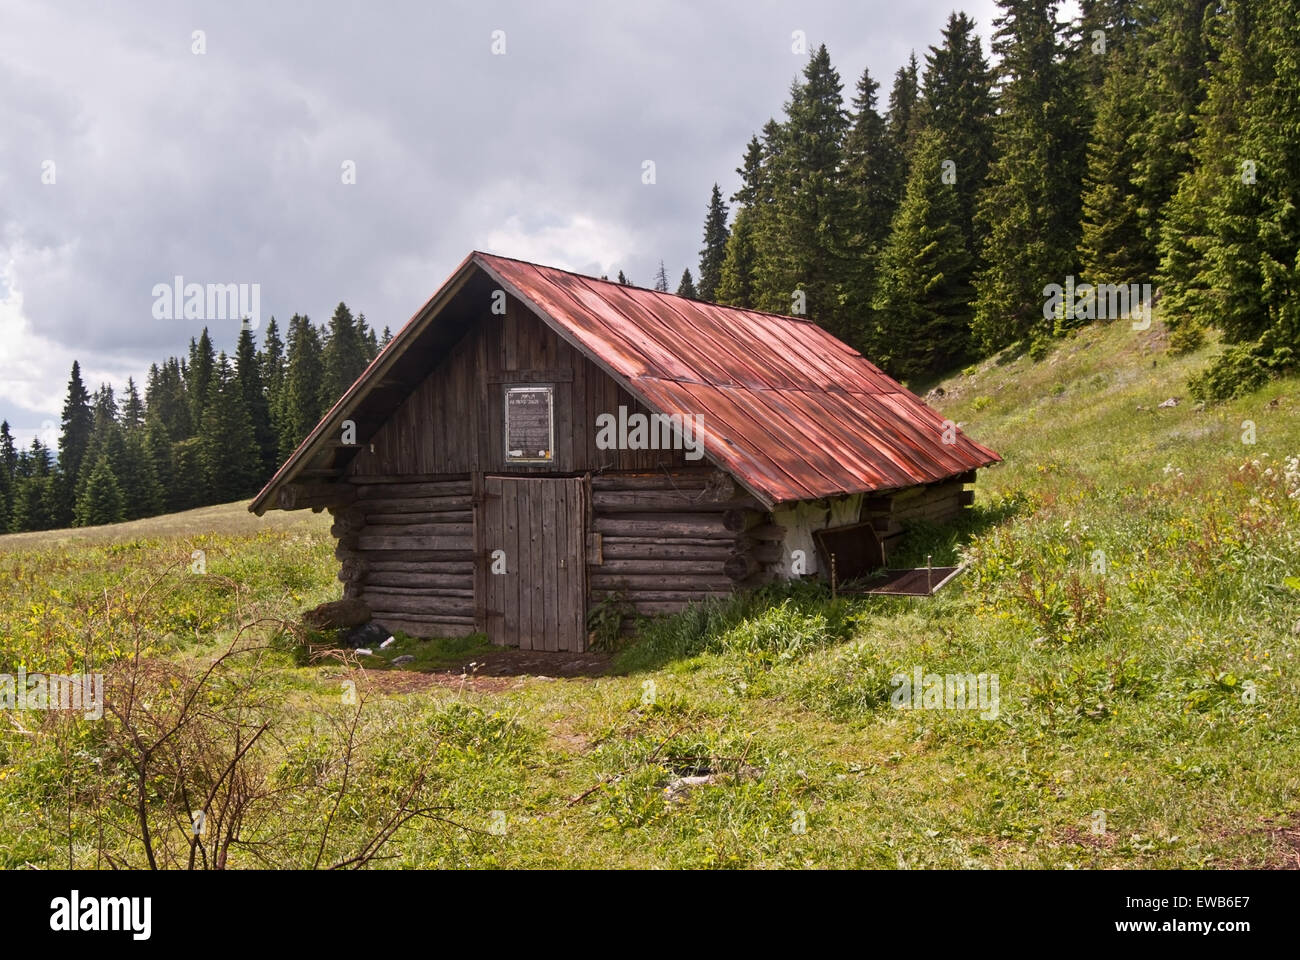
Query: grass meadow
x,y
1133,579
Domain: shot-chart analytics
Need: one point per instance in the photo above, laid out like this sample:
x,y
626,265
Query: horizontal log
x,y
380,562
299,496
764,552
695,526
737,520
399,489
374,505
682,597
766,531
388,578
665,565
419,530
449,544
406,555
353,568
949,506
624,548
434,617
443,627
633,501
418,604
650,581
369,478
742,566
431,597
697,480
709,543
409,519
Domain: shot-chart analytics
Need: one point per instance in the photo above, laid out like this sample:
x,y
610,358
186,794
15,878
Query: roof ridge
x,y
658,293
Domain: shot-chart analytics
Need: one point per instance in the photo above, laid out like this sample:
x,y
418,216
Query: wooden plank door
x,y
536,588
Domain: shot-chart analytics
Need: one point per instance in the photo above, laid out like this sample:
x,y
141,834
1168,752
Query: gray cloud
x,y
226,167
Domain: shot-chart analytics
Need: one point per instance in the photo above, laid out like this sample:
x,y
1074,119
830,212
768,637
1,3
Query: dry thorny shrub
x,y
214,760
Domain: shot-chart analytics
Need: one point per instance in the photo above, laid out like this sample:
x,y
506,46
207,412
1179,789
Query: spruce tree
x,y
923,307
1031,202
1111,248
8,462
1252,258
249,374
228,446
802,246
300,399
869,176
8,450
371,341
343,357
959,104
78,421
142,493
903,124
167,401
189,486
270,363
33,507
100,500
199,375
1188,300
158,447
106,442
686,287
622,278
715,246
6,501
132,407
386,338
661,278
736,280
1174,46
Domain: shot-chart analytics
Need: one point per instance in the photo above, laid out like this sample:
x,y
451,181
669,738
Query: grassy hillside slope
x,y
1131,582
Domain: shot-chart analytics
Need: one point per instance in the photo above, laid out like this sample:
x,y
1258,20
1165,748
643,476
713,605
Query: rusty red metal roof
x,y
789,410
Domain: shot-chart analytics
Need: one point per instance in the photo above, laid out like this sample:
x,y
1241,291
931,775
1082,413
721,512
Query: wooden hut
x,y
534,442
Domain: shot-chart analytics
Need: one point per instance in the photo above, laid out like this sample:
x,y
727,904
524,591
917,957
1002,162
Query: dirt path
x,y
494,671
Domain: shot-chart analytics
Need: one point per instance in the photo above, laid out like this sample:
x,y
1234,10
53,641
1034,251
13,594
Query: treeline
x,y
1149,141
209,429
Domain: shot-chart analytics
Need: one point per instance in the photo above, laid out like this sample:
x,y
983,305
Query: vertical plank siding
x,y
454,420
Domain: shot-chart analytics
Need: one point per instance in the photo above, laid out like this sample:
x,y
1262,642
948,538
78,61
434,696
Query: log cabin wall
x,y
937,503
663,540
407,550
408,545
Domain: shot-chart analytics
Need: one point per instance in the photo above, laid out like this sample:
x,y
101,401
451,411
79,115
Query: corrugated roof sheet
x,y
789,410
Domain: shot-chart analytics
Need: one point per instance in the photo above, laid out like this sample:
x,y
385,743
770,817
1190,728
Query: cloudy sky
x,y
220,156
